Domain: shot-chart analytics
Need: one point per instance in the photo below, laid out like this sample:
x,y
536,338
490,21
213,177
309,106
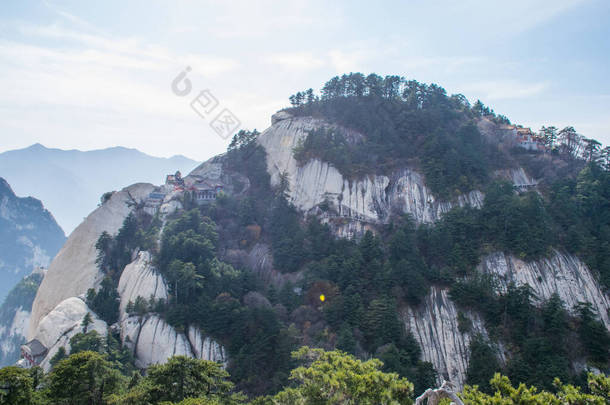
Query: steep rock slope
x,y
371,199
435,323
149,337
29,237
559,273
59,301
73,271
153,341
140,279
435,326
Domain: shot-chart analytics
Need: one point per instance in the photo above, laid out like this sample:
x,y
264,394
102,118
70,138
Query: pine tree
x,y
87,320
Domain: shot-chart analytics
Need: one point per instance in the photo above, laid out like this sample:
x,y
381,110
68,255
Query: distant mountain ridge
x,y
29,237
70,182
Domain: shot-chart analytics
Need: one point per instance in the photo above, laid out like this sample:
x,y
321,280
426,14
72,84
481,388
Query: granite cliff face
x,y
73,271
153,341
559,273
368,200
140,279
149,337
59,307
435,326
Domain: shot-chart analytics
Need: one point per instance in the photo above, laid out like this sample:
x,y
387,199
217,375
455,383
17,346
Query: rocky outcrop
x,y
169,207
434,324
63,322
560,273
205,348
518,177
57,310
210,170
140,279
73,271
370,199
153,341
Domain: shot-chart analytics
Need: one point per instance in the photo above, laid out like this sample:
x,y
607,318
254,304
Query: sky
x,y
89,75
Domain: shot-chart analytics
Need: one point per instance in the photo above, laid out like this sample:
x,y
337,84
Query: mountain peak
x,y
5,188
37,146
56,176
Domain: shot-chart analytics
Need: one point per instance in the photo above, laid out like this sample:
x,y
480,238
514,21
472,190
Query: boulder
x,y
57,328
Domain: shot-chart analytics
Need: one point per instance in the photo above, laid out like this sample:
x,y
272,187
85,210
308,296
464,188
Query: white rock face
x,y
561,273
370,199
153,341
157,341
280,116
63,322
150,338
517,176
73,271
434,324
140,278
205,348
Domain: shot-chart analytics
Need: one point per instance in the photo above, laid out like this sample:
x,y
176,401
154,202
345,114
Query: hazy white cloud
x,y
446,64
494,90
350,61
296,61
208,65
129,52
102,90
500,17
255,19
66,79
